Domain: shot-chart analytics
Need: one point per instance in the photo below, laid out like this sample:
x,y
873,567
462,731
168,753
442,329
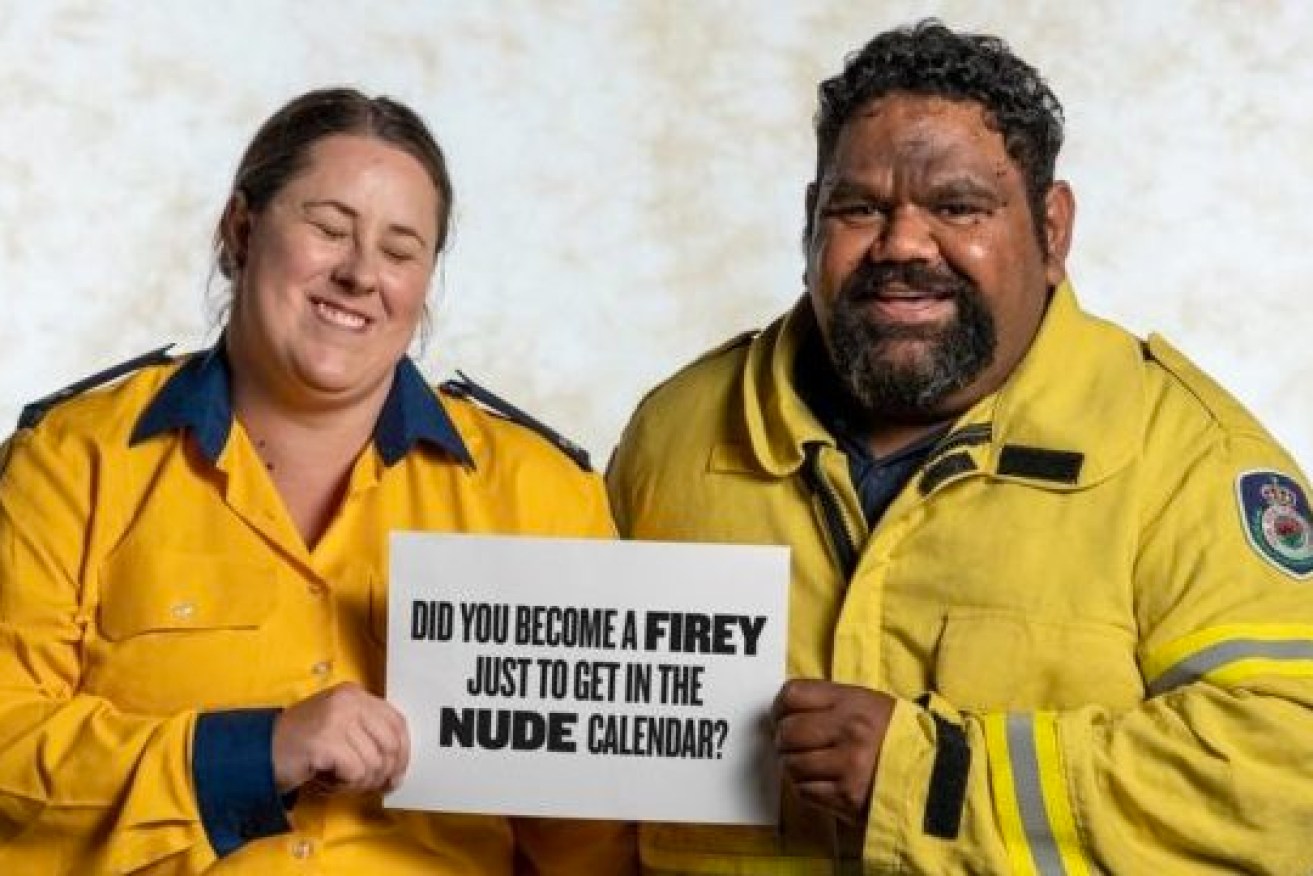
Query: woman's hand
x,y
344,739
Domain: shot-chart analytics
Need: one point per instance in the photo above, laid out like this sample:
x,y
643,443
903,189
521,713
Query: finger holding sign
x,y
375,759
828,737
344,739
384,731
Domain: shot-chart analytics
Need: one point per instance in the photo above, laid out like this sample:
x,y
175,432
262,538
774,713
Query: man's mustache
x,y
873,280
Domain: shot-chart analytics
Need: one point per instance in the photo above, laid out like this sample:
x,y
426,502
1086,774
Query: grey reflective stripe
x,y
1030,796
1199,664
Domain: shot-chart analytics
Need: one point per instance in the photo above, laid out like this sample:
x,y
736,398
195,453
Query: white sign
x,y
587,678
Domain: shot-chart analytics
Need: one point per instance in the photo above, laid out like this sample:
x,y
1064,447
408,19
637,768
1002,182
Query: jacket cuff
x,y
232,766
899,790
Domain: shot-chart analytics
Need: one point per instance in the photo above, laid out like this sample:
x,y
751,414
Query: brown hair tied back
x,y
281,149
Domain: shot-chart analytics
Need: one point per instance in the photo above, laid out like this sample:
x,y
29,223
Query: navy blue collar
x,y
197,398
411,414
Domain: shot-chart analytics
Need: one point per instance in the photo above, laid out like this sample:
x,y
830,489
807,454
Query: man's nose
x,y
905,237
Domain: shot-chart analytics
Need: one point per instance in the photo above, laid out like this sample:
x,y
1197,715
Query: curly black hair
x,y
930,59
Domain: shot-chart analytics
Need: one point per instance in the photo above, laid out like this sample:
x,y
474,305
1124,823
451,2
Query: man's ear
x,y
809,210
809,228
1059,217
235,235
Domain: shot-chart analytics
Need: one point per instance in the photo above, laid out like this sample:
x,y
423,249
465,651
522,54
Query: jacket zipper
x,y
847,841
836,525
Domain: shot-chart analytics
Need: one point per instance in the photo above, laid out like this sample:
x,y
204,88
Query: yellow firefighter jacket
x,y
1092,604
151,575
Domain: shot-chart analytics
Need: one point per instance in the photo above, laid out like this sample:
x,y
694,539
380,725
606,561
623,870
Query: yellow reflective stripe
x,y
1162,659
1062,820
1031,798
1005,796
1243,670
1231,653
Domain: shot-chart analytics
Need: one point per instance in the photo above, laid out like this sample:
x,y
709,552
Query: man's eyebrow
x,y
963,186
846,187
393,228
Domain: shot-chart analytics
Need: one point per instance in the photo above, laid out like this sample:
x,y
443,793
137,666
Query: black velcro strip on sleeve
x,y
948,781
1040,463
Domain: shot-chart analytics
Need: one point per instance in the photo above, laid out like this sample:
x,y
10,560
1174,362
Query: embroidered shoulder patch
x,y
1276,518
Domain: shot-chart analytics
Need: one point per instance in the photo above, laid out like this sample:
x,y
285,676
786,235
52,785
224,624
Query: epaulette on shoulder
x,y
1220,404
742,339
468,389
34,411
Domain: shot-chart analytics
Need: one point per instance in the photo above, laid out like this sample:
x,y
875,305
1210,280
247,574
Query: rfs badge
x,y
1276,519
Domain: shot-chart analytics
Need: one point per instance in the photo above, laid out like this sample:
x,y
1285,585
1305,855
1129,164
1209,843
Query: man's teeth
x,y
339,317
912,296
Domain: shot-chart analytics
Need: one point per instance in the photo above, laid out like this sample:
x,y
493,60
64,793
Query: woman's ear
x,y
235,234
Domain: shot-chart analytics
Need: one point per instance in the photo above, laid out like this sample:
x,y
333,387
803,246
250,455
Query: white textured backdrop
x,y
630,175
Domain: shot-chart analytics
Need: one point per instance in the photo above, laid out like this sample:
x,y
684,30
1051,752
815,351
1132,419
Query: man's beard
x,y
952,354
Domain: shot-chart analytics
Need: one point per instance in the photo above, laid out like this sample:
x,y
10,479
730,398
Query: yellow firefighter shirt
x,y
1092,604
152,584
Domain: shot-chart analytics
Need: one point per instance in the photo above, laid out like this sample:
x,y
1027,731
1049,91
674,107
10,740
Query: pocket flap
x,y
991,660
161,590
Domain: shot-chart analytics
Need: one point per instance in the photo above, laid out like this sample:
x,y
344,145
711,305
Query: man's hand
x,y
828,737
345,739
